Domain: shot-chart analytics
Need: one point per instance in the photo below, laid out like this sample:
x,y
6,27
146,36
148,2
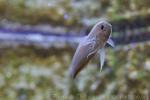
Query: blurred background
x,y
38,39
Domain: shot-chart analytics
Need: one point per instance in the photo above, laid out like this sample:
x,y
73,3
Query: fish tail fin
x,y
71,73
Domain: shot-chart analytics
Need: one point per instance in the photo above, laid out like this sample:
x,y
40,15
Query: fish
x,y
91,45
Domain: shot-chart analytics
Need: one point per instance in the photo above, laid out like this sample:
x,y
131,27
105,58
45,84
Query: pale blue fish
x,y
90,45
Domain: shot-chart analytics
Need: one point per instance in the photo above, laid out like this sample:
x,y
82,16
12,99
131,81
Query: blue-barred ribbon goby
x,y
90,45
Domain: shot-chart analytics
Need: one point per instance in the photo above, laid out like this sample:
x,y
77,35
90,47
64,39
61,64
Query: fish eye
x,y
102,27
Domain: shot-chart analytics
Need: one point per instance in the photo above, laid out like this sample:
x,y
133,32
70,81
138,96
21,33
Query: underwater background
x,y
38,39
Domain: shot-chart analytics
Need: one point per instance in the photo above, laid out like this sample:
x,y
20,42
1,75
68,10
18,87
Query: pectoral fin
x,y
110,42
102,57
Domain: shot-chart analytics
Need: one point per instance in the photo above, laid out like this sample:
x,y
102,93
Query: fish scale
x,y
91,45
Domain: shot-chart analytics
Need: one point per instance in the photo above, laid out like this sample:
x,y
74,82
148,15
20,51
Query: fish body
x,y
91,45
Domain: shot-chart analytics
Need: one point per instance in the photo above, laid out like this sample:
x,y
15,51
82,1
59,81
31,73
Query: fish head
x,y
104,29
